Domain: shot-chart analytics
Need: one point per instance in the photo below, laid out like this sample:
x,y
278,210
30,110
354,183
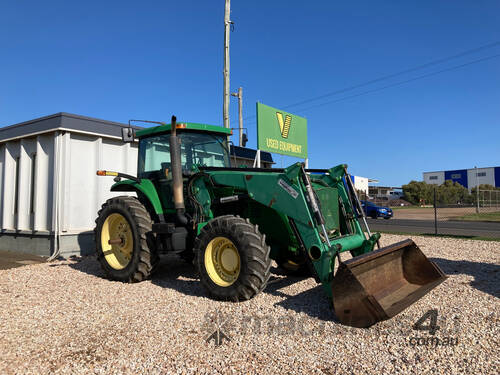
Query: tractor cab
x,y
200,145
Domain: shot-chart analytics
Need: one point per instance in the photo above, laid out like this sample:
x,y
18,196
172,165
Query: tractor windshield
x,y
202,149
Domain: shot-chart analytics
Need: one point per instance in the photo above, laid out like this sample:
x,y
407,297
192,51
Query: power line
x,y
399,83
435,62
402,82
366,83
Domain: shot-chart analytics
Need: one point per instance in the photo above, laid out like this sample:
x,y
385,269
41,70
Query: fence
x,y
478,217
489,198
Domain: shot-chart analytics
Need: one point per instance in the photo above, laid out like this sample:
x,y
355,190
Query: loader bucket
x,y
380,284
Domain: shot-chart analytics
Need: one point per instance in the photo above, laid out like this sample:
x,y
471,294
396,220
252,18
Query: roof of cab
x,y
182,126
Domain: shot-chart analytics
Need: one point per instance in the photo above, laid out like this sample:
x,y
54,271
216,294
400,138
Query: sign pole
x,y
239,95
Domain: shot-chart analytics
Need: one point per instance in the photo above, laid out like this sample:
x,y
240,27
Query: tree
x,y
418,192
449,192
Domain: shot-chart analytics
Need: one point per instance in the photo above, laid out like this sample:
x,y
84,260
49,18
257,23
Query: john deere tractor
x,y
232,221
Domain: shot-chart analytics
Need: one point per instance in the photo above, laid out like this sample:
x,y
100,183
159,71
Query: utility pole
x,y
239,95
227,25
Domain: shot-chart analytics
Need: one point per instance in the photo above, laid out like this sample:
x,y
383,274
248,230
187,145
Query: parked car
x,y
374,211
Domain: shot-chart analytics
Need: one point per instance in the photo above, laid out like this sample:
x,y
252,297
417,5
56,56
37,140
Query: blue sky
x,y
118,60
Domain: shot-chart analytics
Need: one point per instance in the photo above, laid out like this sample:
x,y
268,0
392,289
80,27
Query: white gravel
x,y
64,317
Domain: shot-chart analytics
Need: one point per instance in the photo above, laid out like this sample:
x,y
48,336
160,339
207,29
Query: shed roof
x,y
62,121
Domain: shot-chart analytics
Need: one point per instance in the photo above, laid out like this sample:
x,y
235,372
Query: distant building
x,y
385,192
468,178
361,183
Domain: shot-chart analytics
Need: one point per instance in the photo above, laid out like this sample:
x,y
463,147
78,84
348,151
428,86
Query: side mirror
x,y
128,135
244,140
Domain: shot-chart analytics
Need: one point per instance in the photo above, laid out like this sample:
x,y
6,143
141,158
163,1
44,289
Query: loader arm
x,y
285,193
370,287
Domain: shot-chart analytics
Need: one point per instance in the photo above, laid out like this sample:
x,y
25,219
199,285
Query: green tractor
x,y
232,221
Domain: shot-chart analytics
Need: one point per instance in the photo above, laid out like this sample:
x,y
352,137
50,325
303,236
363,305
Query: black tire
x,y
374,215
255,263
144,257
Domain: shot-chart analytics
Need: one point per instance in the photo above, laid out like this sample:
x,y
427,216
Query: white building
x,y
48,184
468,178
361,183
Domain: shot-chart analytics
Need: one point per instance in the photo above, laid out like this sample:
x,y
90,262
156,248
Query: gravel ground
x,y
64,317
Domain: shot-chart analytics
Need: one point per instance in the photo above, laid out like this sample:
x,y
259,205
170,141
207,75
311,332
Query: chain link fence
x,y
478,216
489,199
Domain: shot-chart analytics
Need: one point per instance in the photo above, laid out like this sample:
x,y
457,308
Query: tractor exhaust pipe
x,y
177,184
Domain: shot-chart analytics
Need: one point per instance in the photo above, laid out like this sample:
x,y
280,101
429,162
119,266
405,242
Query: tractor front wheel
x,y
123,240
232,258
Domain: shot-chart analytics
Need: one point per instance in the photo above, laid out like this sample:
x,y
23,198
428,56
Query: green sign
x,y
281,132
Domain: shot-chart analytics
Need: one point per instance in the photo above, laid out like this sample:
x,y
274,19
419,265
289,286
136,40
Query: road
x,y
459,228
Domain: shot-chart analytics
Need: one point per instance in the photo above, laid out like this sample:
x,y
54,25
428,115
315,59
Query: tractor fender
x,y
145,187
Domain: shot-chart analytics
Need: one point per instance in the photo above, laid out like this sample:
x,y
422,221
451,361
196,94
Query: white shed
x,y
49,190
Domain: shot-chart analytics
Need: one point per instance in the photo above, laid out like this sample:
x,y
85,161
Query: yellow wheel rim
x,y
222,261
116,229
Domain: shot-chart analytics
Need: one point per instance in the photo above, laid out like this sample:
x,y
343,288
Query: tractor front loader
x,y
231,222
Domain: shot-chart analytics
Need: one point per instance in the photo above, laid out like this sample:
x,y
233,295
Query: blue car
x,y
374,211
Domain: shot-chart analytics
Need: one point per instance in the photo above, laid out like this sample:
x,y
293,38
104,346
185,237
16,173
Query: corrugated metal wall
x,y
36,170
84,192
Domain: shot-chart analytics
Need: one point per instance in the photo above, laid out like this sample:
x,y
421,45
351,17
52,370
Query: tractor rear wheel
x,y
232,258
124,243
